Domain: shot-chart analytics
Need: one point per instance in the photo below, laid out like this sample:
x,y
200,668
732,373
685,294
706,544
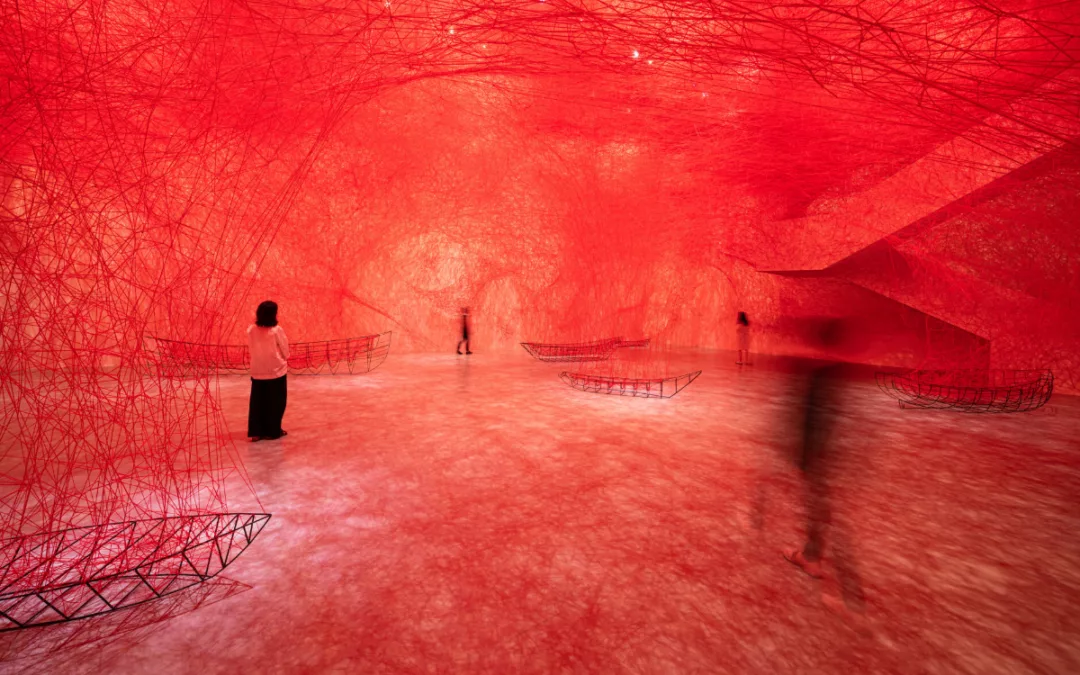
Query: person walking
x,y
816,462
464,331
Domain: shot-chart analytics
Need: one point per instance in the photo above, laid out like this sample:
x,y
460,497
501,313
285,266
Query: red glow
x,y
571,170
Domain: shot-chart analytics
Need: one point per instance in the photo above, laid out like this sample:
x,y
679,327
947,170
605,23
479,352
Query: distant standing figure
x,y
742,331
464,331
269,350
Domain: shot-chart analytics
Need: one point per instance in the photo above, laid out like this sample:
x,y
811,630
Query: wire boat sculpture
x,y
577,352
353,355
970,391
84,572
600,350
623,386
193,357
356,355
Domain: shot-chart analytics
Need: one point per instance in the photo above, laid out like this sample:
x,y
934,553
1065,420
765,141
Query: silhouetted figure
x,y
464,331
742,332
269,350
816,460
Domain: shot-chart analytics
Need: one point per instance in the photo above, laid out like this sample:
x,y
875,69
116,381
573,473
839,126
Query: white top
x,y
269,352
743,333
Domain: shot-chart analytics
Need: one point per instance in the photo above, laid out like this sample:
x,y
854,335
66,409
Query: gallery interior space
x,y
539,336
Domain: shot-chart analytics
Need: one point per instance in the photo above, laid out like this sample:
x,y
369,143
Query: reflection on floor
x,y
453,515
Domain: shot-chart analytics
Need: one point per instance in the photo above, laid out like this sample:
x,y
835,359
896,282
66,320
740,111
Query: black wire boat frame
x,y
970,391
78,573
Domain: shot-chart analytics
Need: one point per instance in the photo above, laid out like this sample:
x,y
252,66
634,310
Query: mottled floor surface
x,y
449,516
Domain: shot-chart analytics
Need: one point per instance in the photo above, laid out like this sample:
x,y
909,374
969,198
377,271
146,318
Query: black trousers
x,y
817,464
814,463
266,407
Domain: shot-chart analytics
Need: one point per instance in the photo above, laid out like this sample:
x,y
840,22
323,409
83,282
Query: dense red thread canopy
x,y
569,170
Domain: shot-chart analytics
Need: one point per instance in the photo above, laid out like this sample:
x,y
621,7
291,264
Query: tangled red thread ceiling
x,y
569,170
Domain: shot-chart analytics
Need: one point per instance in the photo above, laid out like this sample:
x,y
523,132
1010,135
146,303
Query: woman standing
x,y
269,366
742,331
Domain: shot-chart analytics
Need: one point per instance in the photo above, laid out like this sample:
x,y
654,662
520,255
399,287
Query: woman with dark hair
x,y
742,331
269,350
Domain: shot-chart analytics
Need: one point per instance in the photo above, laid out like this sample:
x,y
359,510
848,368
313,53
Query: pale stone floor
x,y
444,515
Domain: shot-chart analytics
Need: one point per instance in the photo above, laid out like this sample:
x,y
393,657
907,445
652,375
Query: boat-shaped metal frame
x,y
83,572
576,352
353,355
970,391
624,386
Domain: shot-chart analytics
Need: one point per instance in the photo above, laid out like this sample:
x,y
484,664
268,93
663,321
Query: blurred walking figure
x,y
816,461
269,348
464,331
742,332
